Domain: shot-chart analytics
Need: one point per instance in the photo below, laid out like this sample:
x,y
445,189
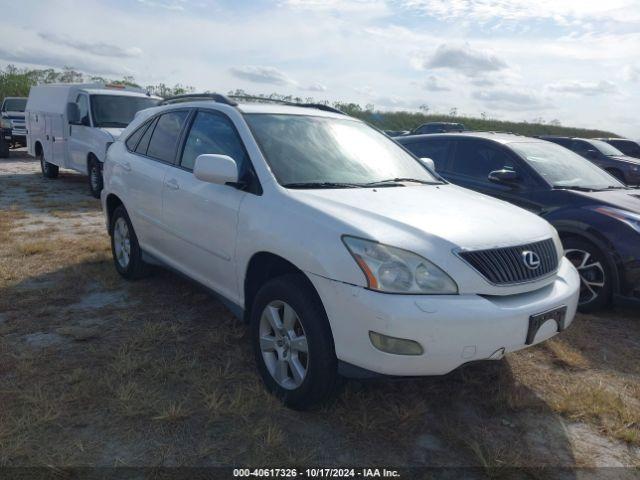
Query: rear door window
x,y
144,141
476,159
135,137
435,149
164,139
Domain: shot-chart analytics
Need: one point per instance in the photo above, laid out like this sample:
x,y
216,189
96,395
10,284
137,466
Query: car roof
x,y
498,137
115,91
265,108
14,98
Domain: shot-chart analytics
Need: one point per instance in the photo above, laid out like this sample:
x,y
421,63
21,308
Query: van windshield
x,y
321,152
117,111
14,105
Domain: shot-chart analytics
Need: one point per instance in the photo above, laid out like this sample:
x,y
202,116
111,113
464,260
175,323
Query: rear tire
x,y
49,170
94,167
125,248
294,351
596,278
4,149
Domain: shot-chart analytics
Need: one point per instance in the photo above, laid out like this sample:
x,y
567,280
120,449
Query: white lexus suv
x,y
346,254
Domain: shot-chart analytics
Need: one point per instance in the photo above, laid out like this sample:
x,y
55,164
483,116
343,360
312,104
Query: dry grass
x,y
164,375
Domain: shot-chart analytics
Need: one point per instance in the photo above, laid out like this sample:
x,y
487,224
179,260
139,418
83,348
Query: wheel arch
x,y
112,202
262,267
590,235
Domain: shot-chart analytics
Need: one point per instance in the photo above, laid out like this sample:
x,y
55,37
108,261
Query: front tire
x,y
596,280
125,248
292,342
95,177
49,170
4,149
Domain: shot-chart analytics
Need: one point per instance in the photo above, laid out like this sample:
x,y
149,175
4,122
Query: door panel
x,y
145,180
80,136
201,217
202,220
472,162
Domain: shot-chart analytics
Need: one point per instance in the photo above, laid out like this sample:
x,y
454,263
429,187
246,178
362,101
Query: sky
x,y
576,61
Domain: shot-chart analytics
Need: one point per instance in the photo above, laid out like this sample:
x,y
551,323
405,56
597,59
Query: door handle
x,y
172,184
126,166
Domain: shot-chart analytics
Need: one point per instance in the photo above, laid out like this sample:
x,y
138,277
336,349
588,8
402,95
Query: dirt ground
x,y
98,371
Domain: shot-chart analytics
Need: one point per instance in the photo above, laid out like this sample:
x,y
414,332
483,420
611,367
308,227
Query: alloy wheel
x,y
95,177
122,242
592,274
283,344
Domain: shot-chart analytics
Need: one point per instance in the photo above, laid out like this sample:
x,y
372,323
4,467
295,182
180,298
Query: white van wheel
x,y
49,170
95,177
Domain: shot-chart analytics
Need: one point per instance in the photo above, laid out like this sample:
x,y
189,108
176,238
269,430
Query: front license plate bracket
x,y
536,321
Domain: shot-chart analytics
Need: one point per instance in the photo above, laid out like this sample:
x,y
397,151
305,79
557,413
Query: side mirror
x,y
218,169
427,162
73,113
503,176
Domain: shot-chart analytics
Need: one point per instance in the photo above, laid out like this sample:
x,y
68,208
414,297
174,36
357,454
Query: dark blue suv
x,y
606,156
597,217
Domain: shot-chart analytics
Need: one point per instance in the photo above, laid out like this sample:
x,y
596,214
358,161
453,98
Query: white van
x,y
72,125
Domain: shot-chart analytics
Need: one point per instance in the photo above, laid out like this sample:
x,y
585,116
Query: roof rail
x,y
319,106
216,97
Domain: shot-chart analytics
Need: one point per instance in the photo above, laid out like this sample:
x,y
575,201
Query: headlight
x,y
393,270
5,123
630,218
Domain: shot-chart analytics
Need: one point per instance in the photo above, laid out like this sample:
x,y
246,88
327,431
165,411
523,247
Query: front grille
x,y
506,266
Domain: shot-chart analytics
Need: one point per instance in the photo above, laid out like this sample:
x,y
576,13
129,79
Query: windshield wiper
x,y
400,180
303,185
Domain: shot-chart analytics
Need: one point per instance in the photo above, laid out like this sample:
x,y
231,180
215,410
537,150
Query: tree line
x,y
16,82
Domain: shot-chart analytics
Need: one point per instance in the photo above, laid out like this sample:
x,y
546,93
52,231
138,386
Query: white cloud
x,y
575,87
102,49
631,73
177,5
510,99
463,59
258,74
316,87
570,13
432,84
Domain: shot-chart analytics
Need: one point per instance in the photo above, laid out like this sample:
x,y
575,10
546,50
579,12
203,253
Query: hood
x,y
625,199
114,132
423,216
626,158
13,115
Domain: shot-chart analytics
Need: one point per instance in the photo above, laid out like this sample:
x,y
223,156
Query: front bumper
x,y
452,329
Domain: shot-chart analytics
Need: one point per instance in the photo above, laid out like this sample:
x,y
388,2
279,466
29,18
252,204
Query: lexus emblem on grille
x,y
530,259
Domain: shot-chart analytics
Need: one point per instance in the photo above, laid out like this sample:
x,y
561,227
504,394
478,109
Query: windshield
x,y
117,110
320,150
563,168
605,148
14,105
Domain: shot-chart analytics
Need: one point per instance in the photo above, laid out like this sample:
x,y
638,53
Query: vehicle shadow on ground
x,y
158,372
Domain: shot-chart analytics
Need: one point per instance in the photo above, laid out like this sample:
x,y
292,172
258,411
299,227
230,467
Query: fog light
x,y
398,346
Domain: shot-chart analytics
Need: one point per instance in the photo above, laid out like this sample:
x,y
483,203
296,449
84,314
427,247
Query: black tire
x,y
4,149
321,378
594,269
134,267
618,174
94,168
49,170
